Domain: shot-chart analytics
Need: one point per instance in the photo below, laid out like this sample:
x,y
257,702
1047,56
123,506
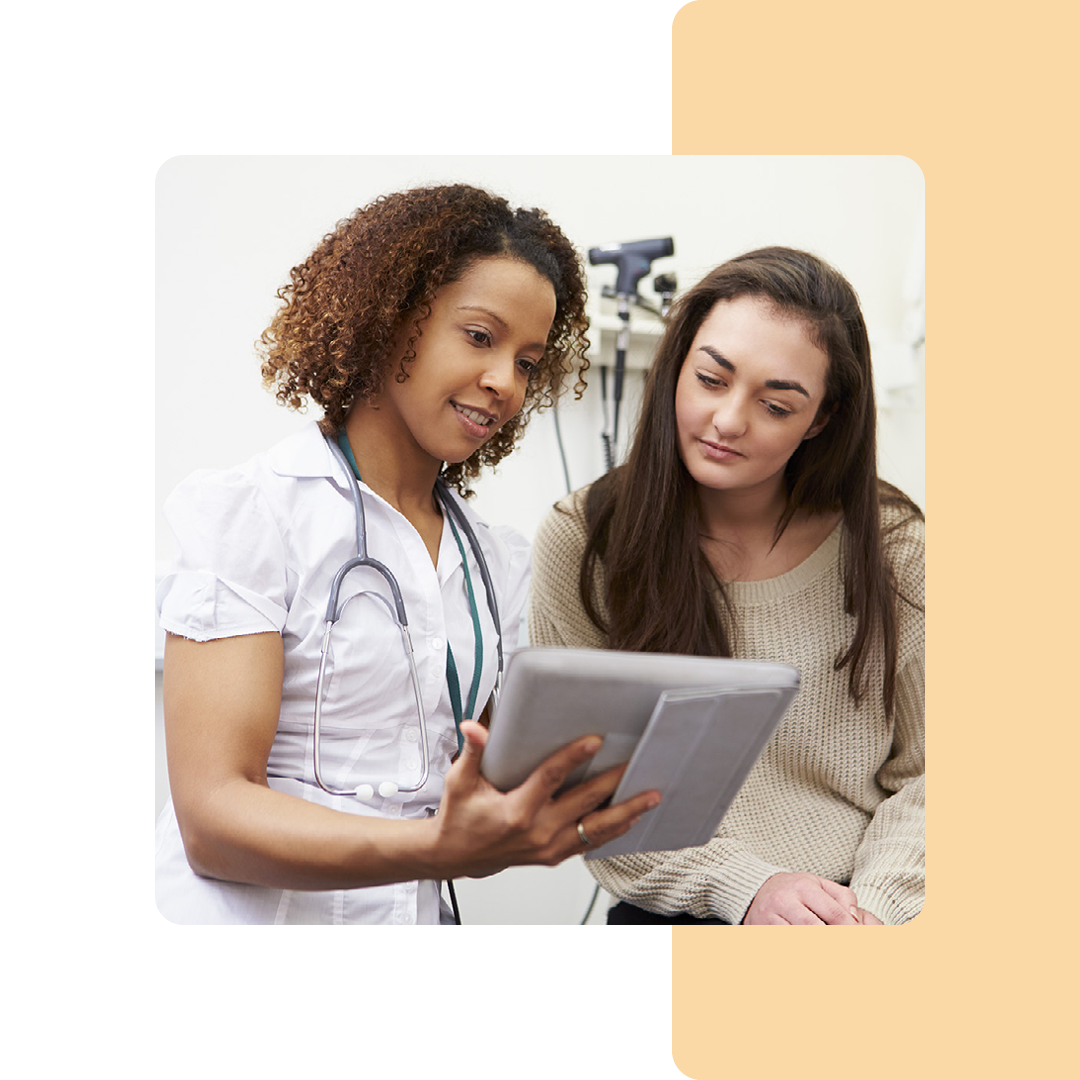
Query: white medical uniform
x,y
259,546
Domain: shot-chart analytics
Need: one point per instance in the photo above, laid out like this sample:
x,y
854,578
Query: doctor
x,y
428,327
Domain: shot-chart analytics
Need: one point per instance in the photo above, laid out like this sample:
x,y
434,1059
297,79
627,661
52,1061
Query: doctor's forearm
x,y
222,703
249,833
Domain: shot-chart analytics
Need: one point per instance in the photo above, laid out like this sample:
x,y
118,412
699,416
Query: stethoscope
x,y
365,791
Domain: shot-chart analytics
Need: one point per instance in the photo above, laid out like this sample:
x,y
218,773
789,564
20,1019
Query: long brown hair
x,y
660,590
379,270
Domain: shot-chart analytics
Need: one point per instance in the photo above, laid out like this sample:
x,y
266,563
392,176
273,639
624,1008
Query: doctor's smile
x,y
476,421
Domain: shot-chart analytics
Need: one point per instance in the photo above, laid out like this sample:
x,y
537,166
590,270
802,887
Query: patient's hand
x,y
802,900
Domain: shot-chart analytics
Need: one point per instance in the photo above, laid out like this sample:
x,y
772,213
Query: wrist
x,y
733,885
884,906
427,851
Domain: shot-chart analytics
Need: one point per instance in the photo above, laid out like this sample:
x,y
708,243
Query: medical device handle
x,y
622,343
632,259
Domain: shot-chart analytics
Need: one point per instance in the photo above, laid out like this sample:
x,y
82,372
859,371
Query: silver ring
x,y
581,833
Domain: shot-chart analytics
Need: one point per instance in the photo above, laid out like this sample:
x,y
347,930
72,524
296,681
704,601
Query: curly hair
x,y
347,303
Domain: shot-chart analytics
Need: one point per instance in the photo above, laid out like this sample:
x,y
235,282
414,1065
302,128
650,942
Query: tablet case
x,y
698,748
691,727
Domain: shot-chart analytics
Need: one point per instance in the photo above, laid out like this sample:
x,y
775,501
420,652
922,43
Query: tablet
x,y
553,696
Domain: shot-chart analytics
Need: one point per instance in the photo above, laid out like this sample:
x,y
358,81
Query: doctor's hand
x,y
802,900
482,830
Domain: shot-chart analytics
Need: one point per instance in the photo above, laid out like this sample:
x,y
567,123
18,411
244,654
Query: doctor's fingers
x,y
468,762
585,797
600,826
546,779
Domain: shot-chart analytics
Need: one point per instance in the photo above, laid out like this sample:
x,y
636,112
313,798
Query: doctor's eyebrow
x,y
772,384
485,311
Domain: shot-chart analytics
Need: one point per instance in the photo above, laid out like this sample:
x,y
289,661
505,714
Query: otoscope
x,y
633,261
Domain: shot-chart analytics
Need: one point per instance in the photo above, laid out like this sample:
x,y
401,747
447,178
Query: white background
x,y
230,228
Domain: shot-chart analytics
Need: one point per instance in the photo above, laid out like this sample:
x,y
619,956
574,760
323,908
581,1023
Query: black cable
x,y
595,894
620,371
562,450
453,902
609,450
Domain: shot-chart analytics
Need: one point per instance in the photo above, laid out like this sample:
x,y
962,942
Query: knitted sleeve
x,y
889,877
715,881
890,866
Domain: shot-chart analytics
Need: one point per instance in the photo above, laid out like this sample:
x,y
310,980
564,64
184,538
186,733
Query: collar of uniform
x,y
305,453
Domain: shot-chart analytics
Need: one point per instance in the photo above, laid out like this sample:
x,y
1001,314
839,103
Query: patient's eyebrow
x,y
718,357
772,384
784,384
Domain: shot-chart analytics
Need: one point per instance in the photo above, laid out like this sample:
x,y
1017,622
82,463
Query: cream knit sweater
x,y
837,791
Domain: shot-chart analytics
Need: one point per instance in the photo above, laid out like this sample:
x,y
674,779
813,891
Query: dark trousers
x,y
623,914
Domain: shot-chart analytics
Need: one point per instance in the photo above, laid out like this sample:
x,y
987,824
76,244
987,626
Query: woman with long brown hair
x,y
749,521
427,327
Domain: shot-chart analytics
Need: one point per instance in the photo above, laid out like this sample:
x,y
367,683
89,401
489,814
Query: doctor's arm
x,y
222,700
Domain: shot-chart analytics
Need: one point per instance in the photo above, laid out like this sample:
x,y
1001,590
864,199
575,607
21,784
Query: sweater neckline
x,y
794,580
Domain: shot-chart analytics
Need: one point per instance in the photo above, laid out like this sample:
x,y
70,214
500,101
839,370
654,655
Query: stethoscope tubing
x,y
333,613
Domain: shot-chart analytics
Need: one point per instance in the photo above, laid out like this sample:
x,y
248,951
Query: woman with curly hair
x,y
749,521
428,326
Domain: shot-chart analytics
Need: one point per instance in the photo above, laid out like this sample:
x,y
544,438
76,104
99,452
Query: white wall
x,y
229,229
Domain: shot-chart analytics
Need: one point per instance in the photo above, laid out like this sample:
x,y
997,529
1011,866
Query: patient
x,y
749,521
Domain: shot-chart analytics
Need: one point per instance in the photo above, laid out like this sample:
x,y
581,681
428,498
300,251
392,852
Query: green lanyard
x,y
478,651
452,683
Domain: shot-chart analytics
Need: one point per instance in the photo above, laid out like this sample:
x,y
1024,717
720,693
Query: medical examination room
x,y
647,230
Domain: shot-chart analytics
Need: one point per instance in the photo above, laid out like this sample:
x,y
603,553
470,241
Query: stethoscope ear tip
x,y
387,789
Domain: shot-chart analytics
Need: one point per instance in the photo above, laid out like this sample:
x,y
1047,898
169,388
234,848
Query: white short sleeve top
x,y
258,547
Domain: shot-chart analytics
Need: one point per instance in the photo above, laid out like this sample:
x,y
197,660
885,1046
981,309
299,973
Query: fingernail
x,y
593,744
854,913
654,801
